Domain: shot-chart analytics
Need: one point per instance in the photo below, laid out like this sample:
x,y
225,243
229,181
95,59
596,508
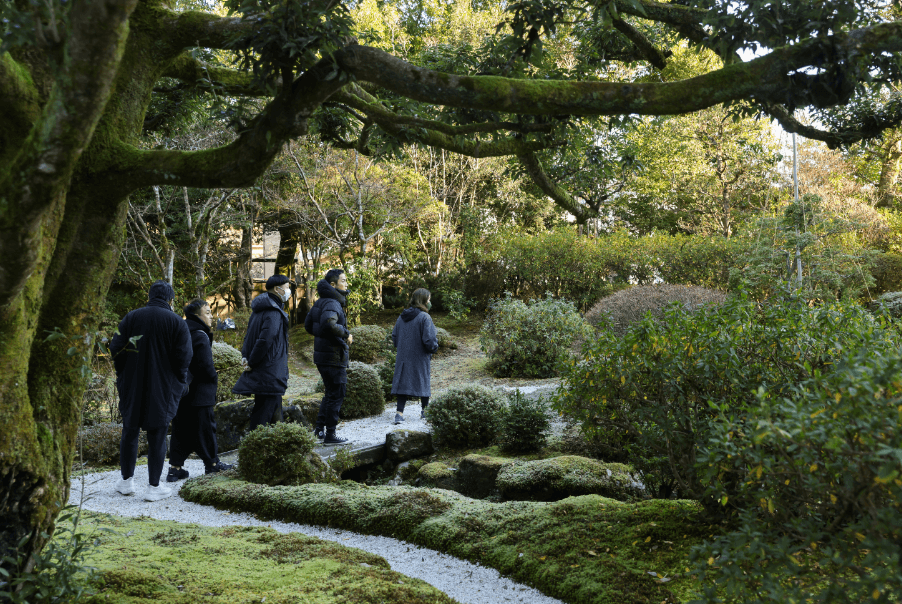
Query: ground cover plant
x,y
145,560
585,549
530,339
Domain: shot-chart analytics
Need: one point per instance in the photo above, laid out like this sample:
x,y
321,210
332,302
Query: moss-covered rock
x,y
587,549
99,444
477,475
567,476
227,361
438,475
401,445
232,417
143,560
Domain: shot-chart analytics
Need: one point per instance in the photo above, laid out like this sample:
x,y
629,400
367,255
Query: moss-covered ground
x,y
585,549
143,561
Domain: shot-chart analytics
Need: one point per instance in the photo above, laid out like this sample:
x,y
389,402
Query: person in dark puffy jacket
x,y
151,352
194,427
415,339
266,350
331,346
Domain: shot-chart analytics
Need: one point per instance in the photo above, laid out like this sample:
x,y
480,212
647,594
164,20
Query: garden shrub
x,y
227,361
281,453
665,383
890,303
530,339
386,370
887,272
364,395
445,341
466,415
99,444
628,306
524,424
815,476
369,343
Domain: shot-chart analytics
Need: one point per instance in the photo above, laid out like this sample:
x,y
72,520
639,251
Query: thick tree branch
x,y
833,139
643,44
560,196
36,181
22,107
194,28
686,20
196,73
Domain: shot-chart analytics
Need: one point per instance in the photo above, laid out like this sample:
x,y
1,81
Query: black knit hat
x,y
161,290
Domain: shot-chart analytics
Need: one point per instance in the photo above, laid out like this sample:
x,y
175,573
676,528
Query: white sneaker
x,y
126,486
155,493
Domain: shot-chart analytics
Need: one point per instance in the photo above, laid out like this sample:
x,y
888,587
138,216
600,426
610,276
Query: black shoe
x,y
332,439
218,467
175,475
319,433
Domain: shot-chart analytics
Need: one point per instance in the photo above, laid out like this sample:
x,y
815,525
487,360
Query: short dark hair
x,y
333,275
419,298
276,281
193,307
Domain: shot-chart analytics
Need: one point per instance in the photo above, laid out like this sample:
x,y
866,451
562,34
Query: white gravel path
x,y
464,581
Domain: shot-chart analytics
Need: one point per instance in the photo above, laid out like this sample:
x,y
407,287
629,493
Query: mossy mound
x,y
99,444
587,549
171,563
282,453
227,361
370,343
567,476
438,475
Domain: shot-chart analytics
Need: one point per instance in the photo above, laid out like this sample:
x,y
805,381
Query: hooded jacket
x,y
415,339
152,370
202,376
265,348
329,325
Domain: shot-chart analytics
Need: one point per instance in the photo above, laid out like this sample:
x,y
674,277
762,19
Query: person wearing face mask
x,y
331,346
266,350
194,426
151,352
415,339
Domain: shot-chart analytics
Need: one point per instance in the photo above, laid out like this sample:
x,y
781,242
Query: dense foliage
x,y
530,339
466,415
524,424
279,453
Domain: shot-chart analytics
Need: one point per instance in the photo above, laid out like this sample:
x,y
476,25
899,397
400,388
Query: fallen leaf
x,y
591,553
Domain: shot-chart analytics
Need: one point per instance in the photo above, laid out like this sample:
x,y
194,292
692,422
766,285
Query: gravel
x,y
464,581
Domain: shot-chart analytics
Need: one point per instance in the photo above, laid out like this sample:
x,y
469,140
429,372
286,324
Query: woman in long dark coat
x,y
415,339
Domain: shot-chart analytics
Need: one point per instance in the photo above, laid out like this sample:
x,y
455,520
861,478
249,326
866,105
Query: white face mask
x,y
285,295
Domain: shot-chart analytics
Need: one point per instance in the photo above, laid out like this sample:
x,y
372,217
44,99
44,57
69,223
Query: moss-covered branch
x,y
199,29
196,73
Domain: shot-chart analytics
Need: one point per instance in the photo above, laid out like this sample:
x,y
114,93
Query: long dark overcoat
x,y
265,348
202,376
414,337
151,374
329,325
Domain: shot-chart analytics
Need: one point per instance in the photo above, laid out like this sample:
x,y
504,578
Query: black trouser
x,y
335,380
267,410
403,398
193,431
156,452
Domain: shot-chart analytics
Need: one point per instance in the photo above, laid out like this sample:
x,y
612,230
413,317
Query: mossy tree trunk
x,y
71,111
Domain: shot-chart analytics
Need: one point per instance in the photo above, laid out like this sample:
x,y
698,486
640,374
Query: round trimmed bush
x,y
364,396
369,343
445,341
99,444
524,424
619,311
466,416
281,453
227,360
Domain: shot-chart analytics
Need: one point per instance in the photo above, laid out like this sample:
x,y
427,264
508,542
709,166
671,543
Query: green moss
x,y
565,476
585,549
173,563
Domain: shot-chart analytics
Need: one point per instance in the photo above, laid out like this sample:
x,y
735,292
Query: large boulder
x,y
232,417
401,445
437,475
477,474
570,475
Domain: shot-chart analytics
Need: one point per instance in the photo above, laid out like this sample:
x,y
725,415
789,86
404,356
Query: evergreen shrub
x,y
814,473
887,272
369,343
364,395
281,453
227,361
665,384
99,444
524,424
466,415
890,303
628,306
445,340
530,339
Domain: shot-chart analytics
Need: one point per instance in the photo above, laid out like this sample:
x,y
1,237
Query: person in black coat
x,y
331,346
194,426
266,350
151,352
